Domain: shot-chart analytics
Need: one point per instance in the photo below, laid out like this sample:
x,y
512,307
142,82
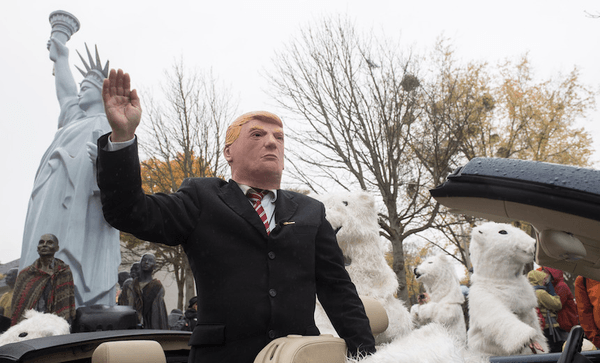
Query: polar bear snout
x,y
525,253
417,274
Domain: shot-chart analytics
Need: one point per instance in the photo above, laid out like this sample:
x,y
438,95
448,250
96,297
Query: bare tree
x,y
456,103
356,101
396,124
525,119
182,137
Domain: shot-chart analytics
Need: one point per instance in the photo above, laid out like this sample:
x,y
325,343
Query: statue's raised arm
x,y
64,25
66,88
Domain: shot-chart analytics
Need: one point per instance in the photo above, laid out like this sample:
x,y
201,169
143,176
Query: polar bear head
x,y
353,216
35,325
500,250
440,279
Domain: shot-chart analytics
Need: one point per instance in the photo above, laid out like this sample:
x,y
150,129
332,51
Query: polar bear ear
x,y
31,313
366,199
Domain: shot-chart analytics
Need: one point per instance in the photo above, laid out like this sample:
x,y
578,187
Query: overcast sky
x,y
237,40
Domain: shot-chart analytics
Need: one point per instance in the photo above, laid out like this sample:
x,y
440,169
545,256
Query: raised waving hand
x,y
122,106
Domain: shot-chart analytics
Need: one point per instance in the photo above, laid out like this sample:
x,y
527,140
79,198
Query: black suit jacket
x,y
252,287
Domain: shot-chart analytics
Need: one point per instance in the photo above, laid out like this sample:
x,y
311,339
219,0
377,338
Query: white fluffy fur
x,y
36,325
441,282
356,217
503,320
431,343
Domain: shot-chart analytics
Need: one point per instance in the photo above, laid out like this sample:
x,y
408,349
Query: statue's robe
x,y
149,302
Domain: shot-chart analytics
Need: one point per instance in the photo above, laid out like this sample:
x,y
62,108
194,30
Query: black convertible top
x,y
569,189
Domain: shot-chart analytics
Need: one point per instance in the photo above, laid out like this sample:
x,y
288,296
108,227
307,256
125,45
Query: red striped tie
x,y
256,203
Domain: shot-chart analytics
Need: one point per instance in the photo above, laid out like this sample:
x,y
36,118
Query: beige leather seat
x,y
321,349
378,319
130,351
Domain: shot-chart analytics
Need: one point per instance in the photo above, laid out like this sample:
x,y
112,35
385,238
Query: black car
x,y
561,202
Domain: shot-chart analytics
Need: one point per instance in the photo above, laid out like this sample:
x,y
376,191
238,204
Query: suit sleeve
x,y
161,218
338,294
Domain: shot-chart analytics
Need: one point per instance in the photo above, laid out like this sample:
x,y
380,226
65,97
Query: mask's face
x,y
256,158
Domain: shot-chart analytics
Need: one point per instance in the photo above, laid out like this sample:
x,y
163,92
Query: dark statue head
x,y
123,275
148,262
47,245
134,272
11,277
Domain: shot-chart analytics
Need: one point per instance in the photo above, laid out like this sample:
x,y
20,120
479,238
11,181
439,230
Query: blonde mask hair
x,y
233,131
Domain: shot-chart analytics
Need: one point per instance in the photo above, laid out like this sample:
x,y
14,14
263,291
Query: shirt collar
x,y
245,189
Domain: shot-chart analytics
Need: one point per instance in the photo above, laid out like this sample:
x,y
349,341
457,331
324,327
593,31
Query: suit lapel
x,y
285,207
232,195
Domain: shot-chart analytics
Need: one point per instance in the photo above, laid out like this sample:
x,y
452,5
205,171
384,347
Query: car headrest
x,y
304,349
378,318
130,351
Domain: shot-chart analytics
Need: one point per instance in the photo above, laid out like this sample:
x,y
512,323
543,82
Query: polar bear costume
x,y
502,302
354,217
441,282
35,325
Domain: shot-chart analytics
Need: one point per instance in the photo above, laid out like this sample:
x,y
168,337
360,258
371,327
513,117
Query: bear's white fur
x,y
354,216
431,343
35,325
439,277
502,302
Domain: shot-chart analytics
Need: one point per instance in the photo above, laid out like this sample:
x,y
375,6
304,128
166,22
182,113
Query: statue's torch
x,y
64,24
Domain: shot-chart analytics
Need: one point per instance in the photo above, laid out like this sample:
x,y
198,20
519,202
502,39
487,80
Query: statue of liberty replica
x,y
65,200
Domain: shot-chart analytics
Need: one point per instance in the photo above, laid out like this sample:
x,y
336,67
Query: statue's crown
x,y
94,73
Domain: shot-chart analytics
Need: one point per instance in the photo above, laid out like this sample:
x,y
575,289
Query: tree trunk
x,y
190,286
398,267
180,288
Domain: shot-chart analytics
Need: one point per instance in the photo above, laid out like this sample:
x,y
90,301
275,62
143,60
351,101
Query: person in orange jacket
x,y
587,294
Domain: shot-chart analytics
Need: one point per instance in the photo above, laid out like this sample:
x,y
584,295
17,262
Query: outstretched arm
x,y
122,106
66,87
